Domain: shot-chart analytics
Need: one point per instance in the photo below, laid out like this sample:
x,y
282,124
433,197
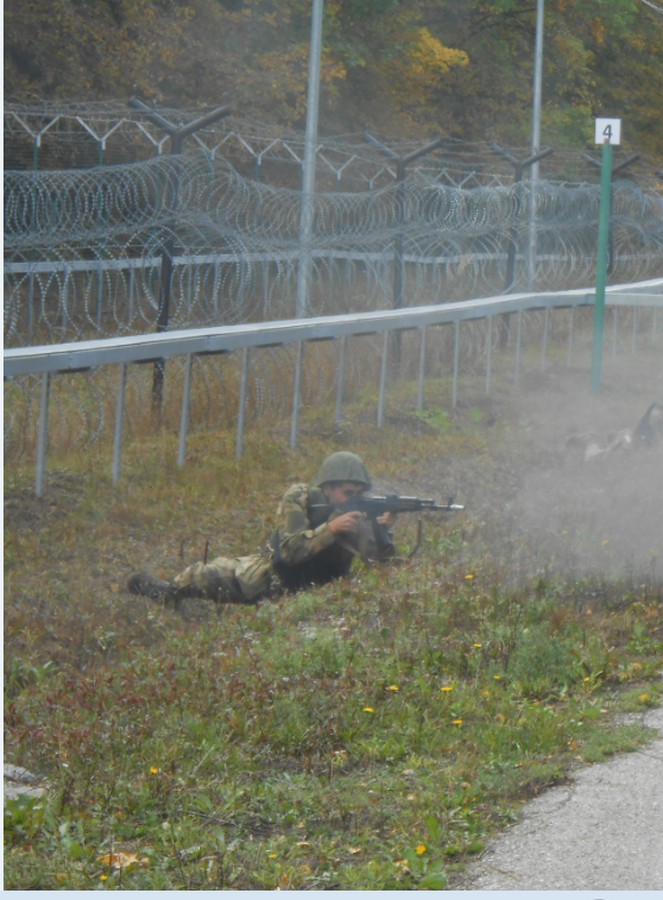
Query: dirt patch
x,y
23,509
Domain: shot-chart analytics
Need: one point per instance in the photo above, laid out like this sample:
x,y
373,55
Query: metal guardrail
x,y
123,351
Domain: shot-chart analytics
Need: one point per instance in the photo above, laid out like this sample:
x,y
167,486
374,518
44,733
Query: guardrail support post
x,y
383,378
340,383
119,424
422,368
186,410
489,353
519,335
544,347
454,383
42,437
296,395
241,412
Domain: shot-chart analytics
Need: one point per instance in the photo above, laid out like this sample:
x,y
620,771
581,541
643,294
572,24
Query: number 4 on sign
x,y
608,131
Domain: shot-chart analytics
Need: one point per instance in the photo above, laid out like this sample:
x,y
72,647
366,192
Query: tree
x,y
405,67
72,49
599,56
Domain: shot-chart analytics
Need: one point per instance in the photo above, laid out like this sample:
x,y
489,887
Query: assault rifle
x,y
374,507
377,506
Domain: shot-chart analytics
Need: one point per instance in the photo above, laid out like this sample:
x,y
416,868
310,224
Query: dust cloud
x,y
602,516
543,500
594,503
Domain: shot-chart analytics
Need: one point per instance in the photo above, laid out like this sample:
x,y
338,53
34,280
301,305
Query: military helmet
x,y
343,466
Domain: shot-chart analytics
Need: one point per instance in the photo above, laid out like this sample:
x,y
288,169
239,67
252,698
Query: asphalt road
x,y
601,832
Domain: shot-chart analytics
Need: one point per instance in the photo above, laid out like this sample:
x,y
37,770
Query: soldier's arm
x,y
299,540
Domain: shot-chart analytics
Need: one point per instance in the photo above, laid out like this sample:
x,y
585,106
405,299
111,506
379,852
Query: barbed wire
x,y
80,206
84,249
49,134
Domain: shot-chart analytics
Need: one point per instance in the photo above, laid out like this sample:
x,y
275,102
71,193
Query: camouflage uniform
x,y
302,551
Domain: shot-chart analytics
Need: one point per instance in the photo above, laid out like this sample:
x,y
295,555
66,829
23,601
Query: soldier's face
x,y
342,491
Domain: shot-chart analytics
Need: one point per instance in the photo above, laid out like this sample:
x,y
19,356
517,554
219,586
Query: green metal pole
x,y
601,265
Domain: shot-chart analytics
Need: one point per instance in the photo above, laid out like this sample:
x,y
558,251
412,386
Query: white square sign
x,y
608,131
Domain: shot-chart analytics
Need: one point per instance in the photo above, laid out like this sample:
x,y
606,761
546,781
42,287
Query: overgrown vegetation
x,y
368,735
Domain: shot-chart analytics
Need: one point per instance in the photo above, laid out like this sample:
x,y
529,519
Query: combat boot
x,y
163,591
148,586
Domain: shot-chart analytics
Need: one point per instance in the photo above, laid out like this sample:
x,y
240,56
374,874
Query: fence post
x,y
401,165
615,169
519,167
601,265
177,137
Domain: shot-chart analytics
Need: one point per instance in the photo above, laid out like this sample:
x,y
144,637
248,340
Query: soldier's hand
x,y
346,522
387,519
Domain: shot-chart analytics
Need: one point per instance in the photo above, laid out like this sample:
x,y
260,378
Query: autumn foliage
x,y
463,69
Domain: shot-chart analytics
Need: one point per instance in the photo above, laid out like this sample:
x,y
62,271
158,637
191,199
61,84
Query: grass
x,y
368,735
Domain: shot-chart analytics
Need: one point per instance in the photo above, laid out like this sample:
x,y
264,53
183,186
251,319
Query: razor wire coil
x,y
85,249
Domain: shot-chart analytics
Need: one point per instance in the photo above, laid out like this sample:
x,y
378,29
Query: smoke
x,y
535,505
602,517
584,514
